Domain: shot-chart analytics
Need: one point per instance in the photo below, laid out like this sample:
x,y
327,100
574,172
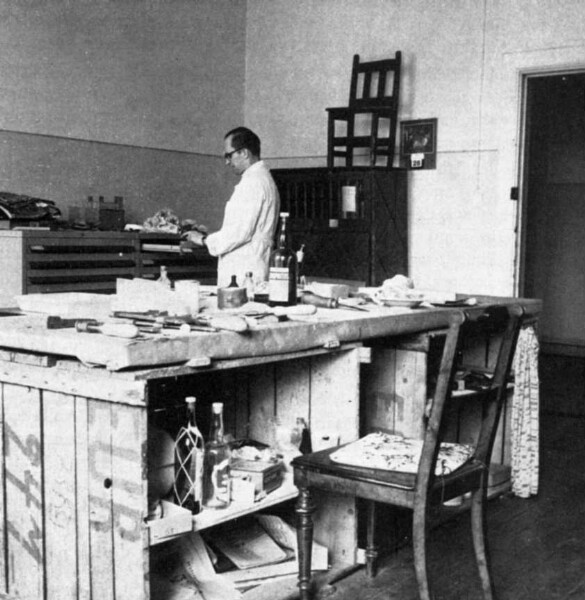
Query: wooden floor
x,y
537,545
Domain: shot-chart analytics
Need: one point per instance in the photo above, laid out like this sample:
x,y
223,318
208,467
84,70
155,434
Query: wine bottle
x,y
282,276
189,452
216,464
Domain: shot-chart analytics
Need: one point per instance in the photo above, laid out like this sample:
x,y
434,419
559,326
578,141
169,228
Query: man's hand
x,y
196,237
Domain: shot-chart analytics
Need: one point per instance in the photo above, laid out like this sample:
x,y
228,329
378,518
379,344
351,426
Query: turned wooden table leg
x,y
371,549
304,512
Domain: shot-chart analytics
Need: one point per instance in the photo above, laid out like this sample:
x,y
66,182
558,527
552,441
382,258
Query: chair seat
x,y
393,487
347,112
392,452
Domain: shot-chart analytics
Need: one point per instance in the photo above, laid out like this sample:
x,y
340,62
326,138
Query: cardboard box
x,y
265,476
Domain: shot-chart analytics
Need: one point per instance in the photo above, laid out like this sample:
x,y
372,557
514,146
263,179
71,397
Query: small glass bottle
x,y
189,452
164,277
300,261
249,285
216,464
305,446
282,275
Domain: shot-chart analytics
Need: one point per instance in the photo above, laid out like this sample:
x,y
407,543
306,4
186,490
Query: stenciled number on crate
x,y
29,486
128,520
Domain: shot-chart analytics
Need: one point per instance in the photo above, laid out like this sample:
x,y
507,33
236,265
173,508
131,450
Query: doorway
x,y
552,258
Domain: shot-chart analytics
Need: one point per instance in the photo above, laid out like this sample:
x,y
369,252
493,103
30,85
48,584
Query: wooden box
x,y
265,476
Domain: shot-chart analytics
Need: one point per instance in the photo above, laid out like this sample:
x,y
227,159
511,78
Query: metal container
x,y
231,297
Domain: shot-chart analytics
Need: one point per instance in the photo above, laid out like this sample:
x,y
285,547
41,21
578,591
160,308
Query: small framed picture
x,y
418,144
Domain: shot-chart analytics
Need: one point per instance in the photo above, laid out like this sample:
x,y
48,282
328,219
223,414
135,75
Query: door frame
x,y
523,168
510,79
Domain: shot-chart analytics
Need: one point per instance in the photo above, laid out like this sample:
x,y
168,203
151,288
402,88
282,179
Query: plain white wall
x,y
167,75
463,63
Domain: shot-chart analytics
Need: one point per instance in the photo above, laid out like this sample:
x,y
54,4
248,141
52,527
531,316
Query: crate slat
x,y
334,408
82,542
60,492
100,500
129,487
24,500
3,546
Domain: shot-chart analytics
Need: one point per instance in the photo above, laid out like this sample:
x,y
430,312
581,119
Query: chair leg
x,y
419,542
372,548
304,512
374,140
350,141
330,148
478,532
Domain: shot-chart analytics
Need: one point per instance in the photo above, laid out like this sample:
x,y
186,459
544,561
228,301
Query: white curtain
x,y
525,415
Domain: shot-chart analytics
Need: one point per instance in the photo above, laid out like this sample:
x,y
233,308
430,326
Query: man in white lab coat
x,y
245,239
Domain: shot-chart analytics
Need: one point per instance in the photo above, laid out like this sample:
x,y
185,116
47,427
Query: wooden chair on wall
x,y
426,488
373,96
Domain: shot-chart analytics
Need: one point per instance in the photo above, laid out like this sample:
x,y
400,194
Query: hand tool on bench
x,y
320,301
208,323
282,313
154,322
123,330
324,302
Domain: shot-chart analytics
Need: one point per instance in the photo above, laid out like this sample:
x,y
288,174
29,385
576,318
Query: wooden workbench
x,y
73,467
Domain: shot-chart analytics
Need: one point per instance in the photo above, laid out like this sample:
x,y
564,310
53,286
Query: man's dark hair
x,y
242,137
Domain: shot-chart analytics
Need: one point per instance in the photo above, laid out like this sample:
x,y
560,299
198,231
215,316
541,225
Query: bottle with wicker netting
x,y
189,453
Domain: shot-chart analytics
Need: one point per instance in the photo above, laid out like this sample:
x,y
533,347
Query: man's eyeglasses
x,y
228,155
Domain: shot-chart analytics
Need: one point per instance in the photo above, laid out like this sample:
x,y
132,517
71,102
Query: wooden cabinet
x,y
372,245
74,462
74,261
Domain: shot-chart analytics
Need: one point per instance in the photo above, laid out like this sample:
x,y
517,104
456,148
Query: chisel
x,y
211,323
122,330
321,301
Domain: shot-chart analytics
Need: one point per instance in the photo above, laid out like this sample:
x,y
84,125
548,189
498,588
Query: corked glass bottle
x,y
189,450
216,470
282,275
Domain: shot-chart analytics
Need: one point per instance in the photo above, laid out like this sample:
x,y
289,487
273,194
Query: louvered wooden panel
x,y
370,248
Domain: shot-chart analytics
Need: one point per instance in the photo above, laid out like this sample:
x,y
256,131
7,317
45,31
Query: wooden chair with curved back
x,y
426,488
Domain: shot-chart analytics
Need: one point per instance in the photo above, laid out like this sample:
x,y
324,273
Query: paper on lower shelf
x,y
192,576
246,544
285,535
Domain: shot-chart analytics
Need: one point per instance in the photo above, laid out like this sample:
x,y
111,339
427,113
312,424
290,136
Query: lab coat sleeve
x,y
240,219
